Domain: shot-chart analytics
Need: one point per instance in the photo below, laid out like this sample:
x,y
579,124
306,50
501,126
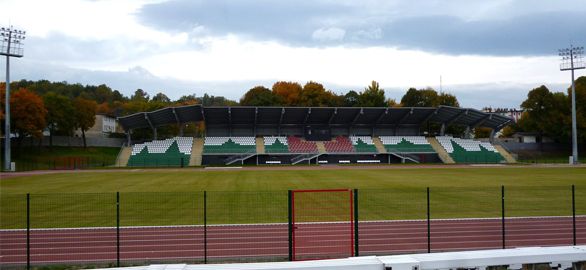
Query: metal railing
x,y
121,229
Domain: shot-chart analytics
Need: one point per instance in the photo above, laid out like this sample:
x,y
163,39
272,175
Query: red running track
x,y
270,242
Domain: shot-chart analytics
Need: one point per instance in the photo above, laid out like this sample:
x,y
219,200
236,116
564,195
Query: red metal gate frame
x,y
351,214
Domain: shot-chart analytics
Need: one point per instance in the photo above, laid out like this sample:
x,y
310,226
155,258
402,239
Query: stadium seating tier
x,y
298,145
406,144
276,144
363,144
470,151
169,152
340,144
229,145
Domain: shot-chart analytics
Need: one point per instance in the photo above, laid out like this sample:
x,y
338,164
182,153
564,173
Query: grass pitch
x,y
175,197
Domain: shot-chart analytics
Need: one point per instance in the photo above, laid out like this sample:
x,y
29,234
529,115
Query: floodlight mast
x,y
572,59
10,46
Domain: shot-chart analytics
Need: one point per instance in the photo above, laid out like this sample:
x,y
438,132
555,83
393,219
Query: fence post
x,y
205,227
503,215
117,229
28,231
574,213
356,253
290,229
428,224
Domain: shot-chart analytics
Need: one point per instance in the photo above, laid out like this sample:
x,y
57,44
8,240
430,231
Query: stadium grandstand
x,y
311,135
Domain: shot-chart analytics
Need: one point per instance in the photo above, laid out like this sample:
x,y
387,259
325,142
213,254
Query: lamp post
x,y
572,59
11,46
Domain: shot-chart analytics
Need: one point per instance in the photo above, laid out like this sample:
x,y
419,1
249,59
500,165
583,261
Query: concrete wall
x,y
74,141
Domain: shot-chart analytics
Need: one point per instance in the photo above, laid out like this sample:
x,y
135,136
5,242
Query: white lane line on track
x,y
307,223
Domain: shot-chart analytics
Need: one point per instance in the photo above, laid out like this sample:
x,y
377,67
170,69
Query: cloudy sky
x,y
488,53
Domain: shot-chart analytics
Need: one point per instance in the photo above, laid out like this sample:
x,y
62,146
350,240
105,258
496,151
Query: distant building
x,y
103,126
531,137
513,113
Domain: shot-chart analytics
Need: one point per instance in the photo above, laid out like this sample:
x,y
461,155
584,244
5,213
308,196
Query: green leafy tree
x,y
188,100
140,95
60,115
447,100
351,99
420,98
313,95
85,115
209,100
162,98
260,96
392,103
537,105
372,96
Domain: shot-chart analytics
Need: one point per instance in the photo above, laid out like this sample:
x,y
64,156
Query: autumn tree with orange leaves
x,y
288,92
27,113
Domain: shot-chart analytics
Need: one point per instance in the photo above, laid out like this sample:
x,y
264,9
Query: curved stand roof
x,y
326,116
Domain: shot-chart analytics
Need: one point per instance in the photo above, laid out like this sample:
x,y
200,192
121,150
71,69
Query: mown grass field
x,y
47,158
175,197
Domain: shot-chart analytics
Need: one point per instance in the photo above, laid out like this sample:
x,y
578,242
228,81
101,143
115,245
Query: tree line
x,y
61,107
314,94
549,114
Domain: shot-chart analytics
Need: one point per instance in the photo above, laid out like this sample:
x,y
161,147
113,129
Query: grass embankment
x,y
175,197
56,157
552,157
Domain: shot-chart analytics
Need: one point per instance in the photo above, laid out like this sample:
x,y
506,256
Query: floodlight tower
x,y
11,46
572,59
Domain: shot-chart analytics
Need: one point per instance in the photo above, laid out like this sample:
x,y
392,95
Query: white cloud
x,y
374,33
234,58
328,34
100,39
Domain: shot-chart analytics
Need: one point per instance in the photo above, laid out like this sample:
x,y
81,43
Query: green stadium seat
x,y
229,145
363,144
276,144
470,151
406,144
174,152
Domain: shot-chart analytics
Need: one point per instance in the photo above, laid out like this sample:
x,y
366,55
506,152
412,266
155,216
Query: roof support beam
x,y
146,116
481,121
203,115
176,116
334,112
129,137
401,120
307,116
178,122
499,127
230,120
280,121
456,117
404,117
381,116
357,116
354,120
432,114
255,118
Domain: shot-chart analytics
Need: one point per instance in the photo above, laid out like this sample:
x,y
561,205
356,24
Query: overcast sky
x,y
488,53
